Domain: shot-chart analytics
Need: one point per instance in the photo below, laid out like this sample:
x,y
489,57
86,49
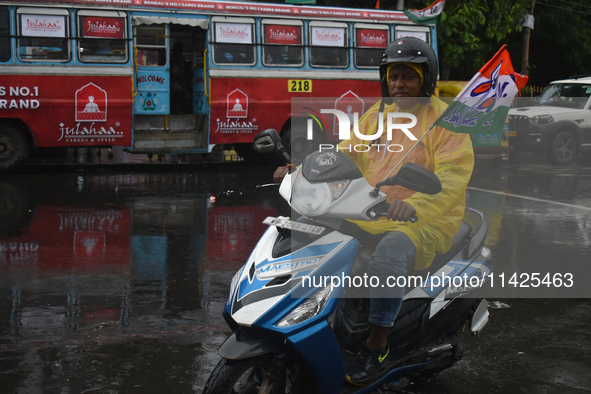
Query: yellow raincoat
x,y
449,155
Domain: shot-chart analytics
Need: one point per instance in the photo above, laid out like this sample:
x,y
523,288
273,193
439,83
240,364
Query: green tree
x,y
472,31
560,41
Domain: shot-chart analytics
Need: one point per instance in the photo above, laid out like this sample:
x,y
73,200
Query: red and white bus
x,y
172,77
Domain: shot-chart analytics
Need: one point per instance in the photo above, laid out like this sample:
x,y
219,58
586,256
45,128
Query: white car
x,y
559,125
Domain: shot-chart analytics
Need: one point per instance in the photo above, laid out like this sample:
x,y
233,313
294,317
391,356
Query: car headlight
x,y
313,199
541,119
307,309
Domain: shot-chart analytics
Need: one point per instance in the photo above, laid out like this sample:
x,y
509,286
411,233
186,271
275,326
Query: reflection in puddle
x,y
123,276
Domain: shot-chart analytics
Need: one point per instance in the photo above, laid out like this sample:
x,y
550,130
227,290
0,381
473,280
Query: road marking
x,y
564,204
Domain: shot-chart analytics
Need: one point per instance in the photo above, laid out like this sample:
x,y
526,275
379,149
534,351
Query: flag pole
x,y
375,191
415,145
408,152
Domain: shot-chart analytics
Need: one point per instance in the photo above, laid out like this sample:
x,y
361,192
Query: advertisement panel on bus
x,y
66,110
243,107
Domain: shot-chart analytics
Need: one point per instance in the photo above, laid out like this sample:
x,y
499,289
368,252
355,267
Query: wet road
x,y
112,279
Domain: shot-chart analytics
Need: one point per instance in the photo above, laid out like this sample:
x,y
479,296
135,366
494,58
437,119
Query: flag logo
x,y
482,106
429,15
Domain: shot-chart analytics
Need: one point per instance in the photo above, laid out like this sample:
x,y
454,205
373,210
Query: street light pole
x,y
528,26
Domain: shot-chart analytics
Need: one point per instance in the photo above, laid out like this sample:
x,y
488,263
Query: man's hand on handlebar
x,y
401,211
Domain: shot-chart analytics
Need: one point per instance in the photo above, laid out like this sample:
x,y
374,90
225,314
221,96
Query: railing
x,y
531,91
528,96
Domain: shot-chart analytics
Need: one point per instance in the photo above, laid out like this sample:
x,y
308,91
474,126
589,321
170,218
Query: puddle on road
x,y
116,282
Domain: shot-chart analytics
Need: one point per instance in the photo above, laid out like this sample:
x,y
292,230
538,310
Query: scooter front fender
x,y
316,344
246,342
319,347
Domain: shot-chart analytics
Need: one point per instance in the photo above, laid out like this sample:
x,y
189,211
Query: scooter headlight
x,y
313,199
308,309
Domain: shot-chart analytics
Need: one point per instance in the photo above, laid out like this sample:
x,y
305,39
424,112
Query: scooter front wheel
x,y
251,375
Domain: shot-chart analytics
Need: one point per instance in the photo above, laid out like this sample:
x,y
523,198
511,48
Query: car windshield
x,y
570,95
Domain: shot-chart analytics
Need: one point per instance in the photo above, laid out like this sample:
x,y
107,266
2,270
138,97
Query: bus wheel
x,y
14,148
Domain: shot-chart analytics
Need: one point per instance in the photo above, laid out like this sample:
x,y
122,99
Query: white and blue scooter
x,y
296,312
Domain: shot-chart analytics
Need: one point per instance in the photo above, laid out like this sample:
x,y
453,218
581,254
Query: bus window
x,y
43,35
370,41
328,45
421,32
102,37
234,41
151,45
285,39
4,34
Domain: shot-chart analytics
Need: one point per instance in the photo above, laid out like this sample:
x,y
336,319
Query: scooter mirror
x,y
415,177
267,141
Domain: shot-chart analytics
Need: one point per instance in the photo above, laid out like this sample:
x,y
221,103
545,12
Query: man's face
x,y
404,84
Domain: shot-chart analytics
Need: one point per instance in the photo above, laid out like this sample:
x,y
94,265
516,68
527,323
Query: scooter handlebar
x,y
384,211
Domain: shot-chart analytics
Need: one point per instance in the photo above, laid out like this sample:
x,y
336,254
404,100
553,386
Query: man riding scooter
x,y
408,75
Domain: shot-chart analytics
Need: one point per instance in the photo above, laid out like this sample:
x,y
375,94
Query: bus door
x,y
171,109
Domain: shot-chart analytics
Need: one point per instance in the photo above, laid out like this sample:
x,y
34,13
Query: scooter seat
x,y
460,241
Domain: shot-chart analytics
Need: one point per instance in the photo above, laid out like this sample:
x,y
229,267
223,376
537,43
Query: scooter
x,y
295,309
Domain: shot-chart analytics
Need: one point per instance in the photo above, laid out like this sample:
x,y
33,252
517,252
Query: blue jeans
x,y
392,257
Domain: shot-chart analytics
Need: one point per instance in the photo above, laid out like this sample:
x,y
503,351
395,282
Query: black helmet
x,y
410,50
